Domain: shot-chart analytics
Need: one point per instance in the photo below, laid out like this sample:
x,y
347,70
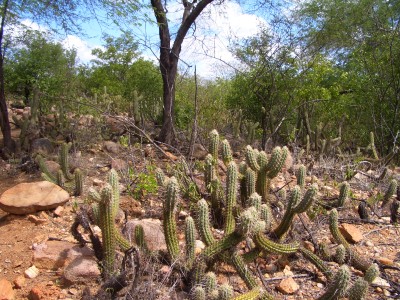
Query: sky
x,y
215,28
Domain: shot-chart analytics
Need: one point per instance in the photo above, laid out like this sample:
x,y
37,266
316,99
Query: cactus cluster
x,y
105,208
64,178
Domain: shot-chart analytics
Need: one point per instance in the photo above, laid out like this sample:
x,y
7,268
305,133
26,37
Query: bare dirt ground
x,y
18,234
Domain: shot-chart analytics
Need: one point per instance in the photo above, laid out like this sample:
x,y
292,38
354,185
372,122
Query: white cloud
x,y
83,48
215,28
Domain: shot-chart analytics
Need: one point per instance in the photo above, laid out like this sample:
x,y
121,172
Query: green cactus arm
x,y
359,290
266,216
307,201
43,168
139,237
251,255
209,282
249,222
160,177
60,179
272,247
334,228
343,194
250,295
122,242
316,261
78,182
231,191
209,171
226,152
169,223
284,225
338,286
108,231
263,181
64,160
243,271
93,195
255,201
225,292
190,241
250,182
114,182
301,176
371,273
203,220
340,255
251,159
198,293
278,164
225,243
391,190
214,144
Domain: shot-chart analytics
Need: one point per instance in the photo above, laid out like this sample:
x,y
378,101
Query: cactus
x,y
225,292
272,247
204,222
301,176
391,190
160,177
338,286
214,144
250,182
71,182
340,255
359,290
231,188
371,273
243,271
139,237
190,241
226,152
250,295
171,237
209,282
318,262
371,145
353,256
344,194
198,293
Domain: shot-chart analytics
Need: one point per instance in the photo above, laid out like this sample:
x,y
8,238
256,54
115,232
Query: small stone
x,y
82,268
36,220
97,182
320,285
287,271
381,282
165,269
309,246
111,147
119,164
369,244
19,282
171,156
31,272
288,286
386,292
6,290
351,233
385,261
199,246
58,211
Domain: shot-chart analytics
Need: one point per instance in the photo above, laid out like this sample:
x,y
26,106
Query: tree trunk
x,y
4,120
169,57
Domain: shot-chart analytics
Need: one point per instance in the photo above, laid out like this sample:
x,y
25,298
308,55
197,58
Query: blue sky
x,y
214,29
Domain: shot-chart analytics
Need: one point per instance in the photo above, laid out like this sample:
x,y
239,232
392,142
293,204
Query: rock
x,y
385,261
288,286
19,282
58,211
31,272
153,233
199,246
6,290
52,166
309,246
36,220
81,269
44,292
171,156
56,254
42,146
111,147
28,198
97,182
199,152
351,233
381,282
118,164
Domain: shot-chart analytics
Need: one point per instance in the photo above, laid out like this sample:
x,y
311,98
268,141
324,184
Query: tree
x,y
64,15
169,56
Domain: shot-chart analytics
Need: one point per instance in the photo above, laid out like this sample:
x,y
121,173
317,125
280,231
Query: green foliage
x,y
143,183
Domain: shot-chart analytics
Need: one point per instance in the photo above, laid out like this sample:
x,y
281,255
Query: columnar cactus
x,y
391,190
301,176
338,286
231,191
190,241
169,210
344,194
226,152
72,182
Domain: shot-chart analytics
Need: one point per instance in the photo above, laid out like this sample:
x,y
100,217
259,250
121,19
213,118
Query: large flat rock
x,y
28,198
